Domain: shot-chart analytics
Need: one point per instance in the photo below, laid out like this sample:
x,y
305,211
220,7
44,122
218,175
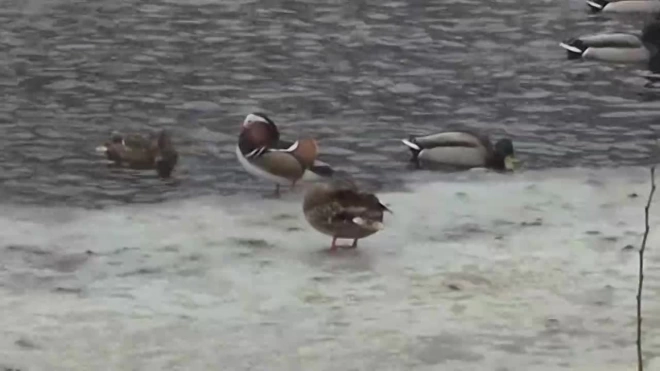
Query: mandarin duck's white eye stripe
x,y
254,118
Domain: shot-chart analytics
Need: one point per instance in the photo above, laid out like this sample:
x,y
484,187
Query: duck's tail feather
x,y
322,169
385,208
318,171
575,48
414,147
597,5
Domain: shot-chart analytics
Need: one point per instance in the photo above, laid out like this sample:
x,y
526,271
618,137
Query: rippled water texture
x,y
357,75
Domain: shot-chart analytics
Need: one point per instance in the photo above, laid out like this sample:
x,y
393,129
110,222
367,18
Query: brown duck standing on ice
x,y
138,152
340,210
263,154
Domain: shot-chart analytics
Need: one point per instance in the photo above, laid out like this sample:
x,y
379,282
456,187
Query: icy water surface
x,y
357,75
480,272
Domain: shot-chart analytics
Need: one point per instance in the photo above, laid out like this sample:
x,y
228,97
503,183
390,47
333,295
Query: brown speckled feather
x,y
333,210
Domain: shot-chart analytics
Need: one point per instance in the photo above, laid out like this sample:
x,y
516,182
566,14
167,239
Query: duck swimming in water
x,y
136,151
263,154
340,210
616,47
624,6
461,149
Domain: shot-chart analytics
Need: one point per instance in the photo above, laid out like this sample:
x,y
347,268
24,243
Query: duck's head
x,y
651,33
112,147
258,118
504,155
257,130
166,156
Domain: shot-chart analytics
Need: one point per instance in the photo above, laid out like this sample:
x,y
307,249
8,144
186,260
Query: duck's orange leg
x,y
334,246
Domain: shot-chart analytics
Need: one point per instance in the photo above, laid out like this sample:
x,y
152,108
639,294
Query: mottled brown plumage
x,y
138,152
340,210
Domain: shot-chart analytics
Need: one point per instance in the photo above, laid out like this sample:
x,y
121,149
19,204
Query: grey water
x,y
358,76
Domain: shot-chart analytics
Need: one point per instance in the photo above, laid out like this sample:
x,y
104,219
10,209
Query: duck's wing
x,y
137,142
628,6
358,207
618,54
611,40
306,152
452,139
612,47
279,163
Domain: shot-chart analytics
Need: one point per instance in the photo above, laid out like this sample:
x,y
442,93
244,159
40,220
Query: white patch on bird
x,y
101,149
255,152
411,144
359,221
570,48
368,223
291,148
594,4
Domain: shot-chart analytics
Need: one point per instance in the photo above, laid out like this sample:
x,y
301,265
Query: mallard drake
x,y
462,149
624,6
338,209
616,47
136,151
263,154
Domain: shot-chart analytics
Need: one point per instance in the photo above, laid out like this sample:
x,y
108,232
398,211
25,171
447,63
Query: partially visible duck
x,y
139,152
624,6
462,149
616,47
340,210
263,154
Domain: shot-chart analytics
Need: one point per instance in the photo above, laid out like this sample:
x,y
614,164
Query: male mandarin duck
x,y
263,154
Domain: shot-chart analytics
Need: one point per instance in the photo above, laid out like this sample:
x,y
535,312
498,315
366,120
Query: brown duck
x,y
139,152
340,210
